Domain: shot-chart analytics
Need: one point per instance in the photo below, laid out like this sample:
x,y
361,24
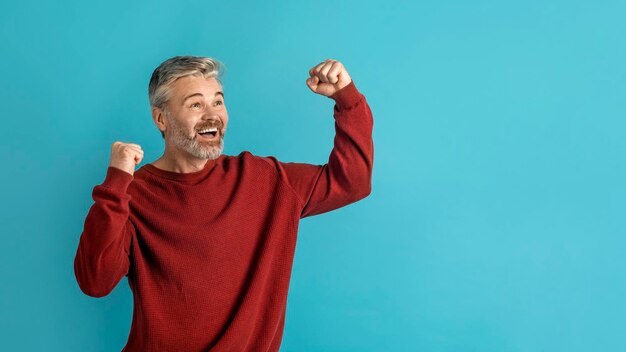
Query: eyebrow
x,y
200,94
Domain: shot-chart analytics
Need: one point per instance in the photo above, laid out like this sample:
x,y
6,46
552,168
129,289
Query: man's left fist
x,y
328,77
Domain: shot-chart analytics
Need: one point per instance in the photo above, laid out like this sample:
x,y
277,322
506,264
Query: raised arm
x,y
102,257
347,177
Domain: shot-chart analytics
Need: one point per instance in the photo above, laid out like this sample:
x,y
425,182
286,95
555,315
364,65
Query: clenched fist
x,y
328,77
125,156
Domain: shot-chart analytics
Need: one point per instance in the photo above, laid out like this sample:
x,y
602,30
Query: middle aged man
x,y
207,240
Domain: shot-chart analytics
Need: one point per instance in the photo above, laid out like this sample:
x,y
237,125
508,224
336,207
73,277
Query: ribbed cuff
x,y
347,96
117,179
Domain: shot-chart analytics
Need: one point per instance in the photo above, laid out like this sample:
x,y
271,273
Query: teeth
x,y
212,129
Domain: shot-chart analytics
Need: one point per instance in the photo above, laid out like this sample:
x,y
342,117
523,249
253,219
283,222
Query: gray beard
x,y
193,146
197,149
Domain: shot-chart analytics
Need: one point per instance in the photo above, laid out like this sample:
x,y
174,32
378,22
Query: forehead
x,y
192,84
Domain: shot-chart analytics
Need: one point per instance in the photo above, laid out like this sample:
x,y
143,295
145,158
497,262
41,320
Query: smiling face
x,y
196,105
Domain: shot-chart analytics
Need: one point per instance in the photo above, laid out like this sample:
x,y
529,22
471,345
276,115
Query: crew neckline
x,y
183,176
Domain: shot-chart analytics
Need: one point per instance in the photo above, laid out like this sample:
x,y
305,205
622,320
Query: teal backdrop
x,y
496,220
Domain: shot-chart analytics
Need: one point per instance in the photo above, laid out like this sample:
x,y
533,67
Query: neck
x,y
179,161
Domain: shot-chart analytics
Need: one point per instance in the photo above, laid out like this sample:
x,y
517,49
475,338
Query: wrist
x,y
347,96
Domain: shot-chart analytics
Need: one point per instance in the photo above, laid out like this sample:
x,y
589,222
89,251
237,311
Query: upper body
x,y
208,252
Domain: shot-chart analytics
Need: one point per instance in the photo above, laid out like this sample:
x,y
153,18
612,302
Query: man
x,y
207,240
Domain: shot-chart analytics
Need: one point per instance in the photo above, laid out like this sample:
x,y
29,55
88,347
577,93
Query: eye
x,y
220,102
194,104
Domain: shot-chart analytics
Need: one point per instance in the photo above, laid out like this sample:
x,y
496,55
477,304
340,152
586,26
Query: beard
x,y
201,150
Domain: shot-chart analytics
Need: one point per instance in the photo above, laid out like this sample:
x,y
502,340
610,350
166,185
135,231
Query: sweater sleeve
x,y
102,257
347,176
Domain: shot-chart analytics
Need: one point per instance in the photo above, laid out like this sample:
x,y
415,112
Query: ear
x,y
158,115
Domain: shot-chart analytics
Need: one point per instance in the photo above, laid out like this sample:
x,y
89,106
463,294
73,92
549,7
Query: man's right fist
x,y
125,156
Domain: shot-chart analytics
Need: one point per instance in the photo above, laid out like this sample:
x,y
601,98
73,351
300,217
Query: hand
x,y
328,77
125,156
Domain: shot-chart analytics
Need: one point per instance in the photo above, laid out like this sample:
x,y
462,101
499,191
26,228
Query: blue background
x,y
496,220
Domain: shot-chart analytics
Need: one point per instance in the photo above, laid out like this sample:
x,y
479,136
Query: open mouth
x,y
209,133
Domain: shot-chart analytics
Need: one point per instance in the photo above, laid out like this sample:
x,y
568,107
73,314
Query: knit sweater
x,y
208,254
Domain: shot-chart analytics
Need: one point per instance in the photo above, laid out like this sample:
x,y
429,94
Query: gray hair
x,y
159,89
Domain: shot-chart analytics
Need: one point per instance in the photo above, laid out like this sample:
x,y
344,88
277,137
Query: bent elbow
x,y
366,191
93,290
362,190
88,283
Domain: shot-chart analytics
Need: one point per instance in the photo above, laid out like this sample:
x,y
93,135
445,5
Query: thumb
x,y
312,83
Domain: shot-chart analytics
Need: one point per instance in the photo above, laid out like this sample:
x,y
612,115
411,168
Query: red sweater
x,y
208,254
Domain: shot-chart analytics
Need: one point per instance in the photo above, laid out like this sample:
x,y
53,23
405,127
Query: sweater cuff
x,y
117,179
347,96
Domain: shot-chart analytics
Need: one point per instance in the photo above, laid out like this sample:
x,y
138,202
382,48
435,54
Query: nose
x,y
209,117
212,120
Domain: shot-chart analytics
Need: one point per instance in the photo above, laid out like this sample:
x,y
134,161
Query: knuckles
x,y
317,70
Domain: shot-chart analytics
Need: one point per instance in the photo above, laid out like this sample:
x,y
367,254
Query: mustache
x,y
210,125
